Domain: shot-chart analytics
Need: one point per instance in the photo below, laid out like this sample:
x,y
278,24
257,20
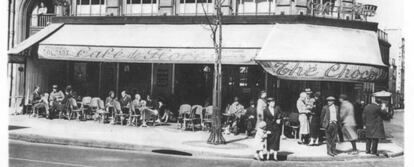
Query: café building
x,y
171,57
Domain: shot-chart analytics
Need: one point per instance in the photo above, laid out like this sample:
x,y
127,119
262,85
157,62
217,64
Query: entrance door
x,y
162,83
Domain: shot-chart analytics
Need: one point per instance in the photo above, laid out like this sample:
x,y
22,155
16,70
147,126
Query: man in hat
x,y
373,123
330,117
348,122
56,97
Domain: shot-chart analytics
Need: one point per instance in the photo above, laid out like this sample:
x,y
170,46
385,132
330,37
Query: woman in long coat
x,y
303,118
373,122
273,117
315,123
261,105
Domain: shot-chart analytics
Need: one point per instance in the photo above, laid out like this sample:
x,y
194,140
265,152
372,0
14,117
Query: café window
x,y
243,76
141,7
90,7
196,7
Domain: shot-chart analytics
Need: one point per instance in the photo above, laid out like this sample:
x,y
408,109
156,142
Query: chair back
x,y
294,117
209,110
95,102
101,104
184,109
86,100
198,109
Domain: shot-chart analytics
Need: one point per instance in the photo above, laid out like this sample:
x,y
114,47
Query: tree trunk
x,y
216,137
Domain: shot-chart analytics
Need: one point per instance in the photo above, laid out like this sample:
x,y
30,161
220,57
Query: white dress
x,y
303,118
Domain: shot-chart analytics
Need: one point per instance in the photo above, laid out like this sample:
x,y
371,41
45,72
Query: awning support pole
x,y
100,79
173,79
117,79
152,79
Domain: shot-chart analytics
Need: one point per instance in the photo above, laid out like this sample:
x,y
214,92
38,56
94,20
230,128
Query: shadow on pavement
x,y
236,140
12,127
173,152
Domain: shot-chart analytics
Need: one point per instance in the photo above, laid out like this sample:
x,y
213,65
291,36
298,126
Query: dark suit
x,y
331,128
273,139
125,103
373,122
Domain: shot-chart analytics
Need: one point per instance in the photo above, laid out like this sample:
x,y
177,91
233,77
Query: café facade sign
x,y
320,71
145,55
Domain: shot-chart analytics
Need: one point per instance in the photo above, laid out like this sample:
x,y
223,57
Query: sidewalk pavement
x,y
94,134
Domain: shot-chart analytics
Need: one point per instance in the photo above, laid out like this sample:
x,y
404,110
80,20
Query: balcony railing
x,y
339,9
382,35
42,20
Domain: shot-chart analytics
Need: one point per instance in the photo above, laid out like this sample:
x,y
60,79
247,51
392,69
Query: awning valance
x,y
15,53
153,43
311,52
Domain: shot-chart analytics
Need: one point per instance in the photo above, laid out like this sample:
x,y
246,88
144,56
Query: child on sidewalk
x,y
260,140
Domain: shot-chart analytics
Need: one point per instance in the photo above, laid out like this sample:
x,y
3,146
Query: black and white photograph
x,y
183,83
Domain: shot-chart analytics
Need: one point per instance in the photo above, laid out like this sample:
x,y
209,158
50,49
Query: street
x,y
45,155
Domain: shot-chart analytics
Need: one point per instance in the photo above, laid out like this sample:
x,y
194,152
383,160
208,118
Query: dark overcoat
x,y
372,119
273,139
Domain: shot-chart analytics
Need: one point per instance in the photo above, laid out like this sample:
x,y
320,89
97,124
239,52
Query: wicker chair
x,y
208,118
183,112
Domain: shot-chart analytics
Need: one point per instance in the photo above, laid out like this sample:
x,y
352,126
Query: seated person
x,y
162,110
136,106
125,102
43,104
56,98
250,118
148,113
150,103
109,102
236,109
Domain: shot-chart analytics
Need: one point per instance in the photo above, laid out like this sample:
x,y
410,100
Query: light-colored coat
x,y
347,113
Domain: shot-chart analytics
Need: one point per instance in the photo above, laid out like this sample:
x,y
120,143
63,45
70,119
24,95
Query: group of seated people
x,y
53,102
49,104
147,108
240,119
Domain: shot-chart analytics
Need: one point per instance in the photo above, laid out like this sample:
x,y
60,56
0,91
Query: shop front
x,y
175,62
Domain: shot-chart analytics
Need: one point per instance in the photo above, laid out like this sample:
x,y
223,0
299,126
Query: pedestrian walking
x,y
273,119
330,116
373,123
315,121
261,105
303,110
348,122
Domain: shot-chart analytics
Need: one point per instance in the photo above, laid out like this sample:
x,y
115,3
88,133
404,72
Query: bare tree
x,y
214,22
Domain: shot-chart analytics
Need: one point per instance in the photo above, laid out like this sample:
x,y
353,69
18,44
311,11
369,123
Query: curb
x,y
134,147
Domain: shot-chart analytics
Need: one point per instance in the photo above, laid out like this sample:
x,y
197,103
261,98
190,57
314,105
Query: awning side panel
x,y
35,38
325,71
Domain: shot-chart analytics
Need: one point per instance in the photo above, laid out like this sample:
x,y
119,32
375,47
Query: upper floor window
x,y
141,7
90,8
196,7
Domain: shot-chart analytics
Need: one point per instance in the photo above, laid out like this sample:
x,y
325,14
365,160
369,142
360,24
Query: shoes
x,y
331,154
300,142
